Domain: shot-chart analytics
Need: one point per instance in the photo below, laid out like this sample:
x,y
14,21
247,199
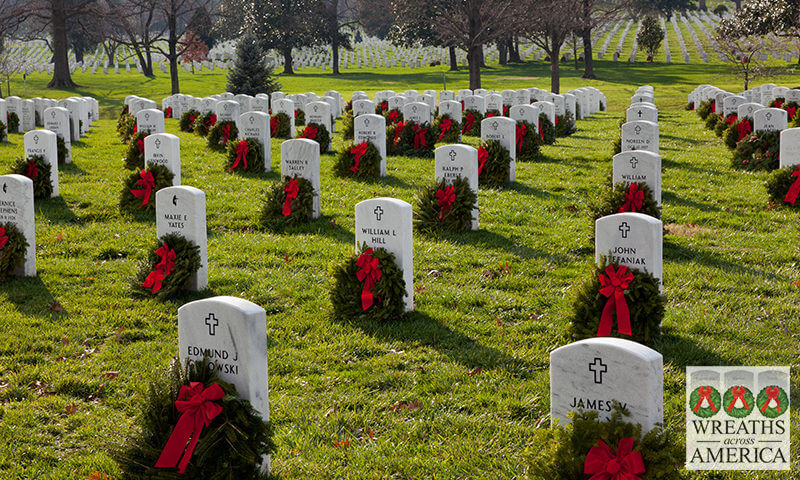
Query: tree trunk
x,y
586,33
555,57
335,49
482,59
738,4
474,59
702,5
147,65
78,49
513,51
502,49
173,54
288,68
61,76
453,59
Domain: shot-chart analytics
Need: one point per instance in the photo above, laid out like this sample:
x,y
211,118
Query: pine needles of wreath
x,y
187,121
759,151
12,254
216,136
369,165
231,447
38,170
187,262
322,136
613,199
282,124
162,178
254,156
778,185
496,171
134,157
428,216
302,207
453,135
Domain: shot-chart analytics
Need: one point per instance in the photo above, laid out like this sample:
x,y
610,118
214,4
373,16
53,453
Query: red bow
x,y
357,152
490,114
398,130
556,120
738,394
226,132
772,394
241,154
419,136
292,189
468,124
273,126
445,199
199,409
778,103
32,172
731,119
163,268
296,113
309,132
148,183
3,237
794,190
212,120
384,106
541,132
370,273
792,111
135,128
744,128
483,157
714,107
168,112
613,285
393,116
603,464
462,105
140,144
445,125
705,394
192,118
521,131
634,199
506,108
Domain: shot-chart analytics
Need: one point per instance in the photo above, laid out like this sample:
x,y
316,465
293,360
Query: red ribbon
x,y
309,132
393,116
603,464
731,119
296,113
140,144
463,106
192,118
541,132
211,121
398,130
292,189
468,123
241,154
419,136
357,152
705,394
384,106
772,394
613,285
556,120
273,126
714,107
794,190
199,409
32,172
490,114
483,157
135,128
506,108
792,111
3,237
445,198
369,274
634,199
148,183
521,131
168,112
163,268
738,394
226,132
445,125
778,103
744,128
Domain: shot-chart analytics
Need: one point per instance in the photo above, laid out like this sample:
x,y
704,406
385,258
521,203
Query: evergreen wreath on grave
x,y
368,286
220,134
449,130
705,109
134,158
299,118
623,197
416,140
168,112
393,134
126,127
12,249
547,131
280,125
472,123
725,124
187,121
37,169
348,107
380,109
712,120
288,203
791,110
3,134
394,116
361,160
565,125
690,106
759,151
139,190
527,141
443,207
494,164
318,133
61,150
617,295
777,103
590,446
204,123
13,122
783,186
168,269
245,156
230,443
348,129
492,112
738,131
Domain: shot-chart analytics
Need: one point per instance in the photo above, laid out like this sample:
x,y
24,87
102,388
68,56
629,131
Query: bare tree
x,y
176,14
10,67
337,18
135,23
549,29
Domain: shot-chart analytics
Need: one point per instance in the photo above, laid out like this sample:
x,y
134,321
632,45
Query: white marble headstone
x,y
525,113
474,102
638,167
454,161
300,157
446,95
16,206
417,112
287,107
790,147
451,108
746,110
150,120
319,113
182,210
164,149
640,135
56,119
731,104
371,128
27,119
255,125
504,130
44,143
363,107
642,112
770,119
548,108
631,239
494,102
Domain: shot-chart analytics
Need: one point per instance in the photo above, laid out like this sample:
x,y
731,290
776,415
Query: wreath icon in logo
x,y
705,401
738,401
772,401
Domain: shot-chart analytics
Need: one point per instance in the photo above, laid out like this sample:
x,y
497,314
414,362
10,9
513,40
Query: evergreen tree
x,y
250,73
650,36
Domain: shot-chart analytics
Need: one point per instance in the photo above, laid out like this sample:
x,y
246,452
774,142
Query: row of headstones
x,y
762,95
83,111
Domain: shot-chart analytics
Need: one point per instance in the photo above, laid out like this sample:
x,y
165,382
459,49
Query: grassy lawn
x,y
454,391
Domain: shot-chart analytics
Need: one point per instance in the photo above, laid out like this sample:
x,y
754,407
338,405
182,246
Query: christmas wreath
x,y
168,112
187,121
318,133
415,140
245,156
168,269
449,130
37,169
445,207
13,122
3,133
134,159
740,130
288,203
394,116
472,123
783,186
547,131
705,109
491,112
707,395
348,129
777,103
220,134
299,118
738,395
61,149
380,109
360,161
280,125
231,439
565,125
348,107
204,123
609,449
13,246
393,134
368,286
623,197
126,126
494,164
617,295
769,396
139,190
690,106
758,152
724,124
527,141
712,120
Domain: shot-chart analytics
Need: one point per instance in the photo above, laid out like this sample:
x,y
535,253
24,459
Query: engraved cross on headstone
x,y
212,323
598,368
638,129
640,113
158,143
453,155
378,213
633,161
624,228
36,139
366,122
494,125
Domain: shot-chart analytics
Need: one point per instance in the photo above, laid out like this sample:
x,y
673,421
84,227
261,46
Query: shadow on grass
x,y
487,240
323,225
682,254
525,189
421,330
685,352
71,168
673,199
56,210
30,296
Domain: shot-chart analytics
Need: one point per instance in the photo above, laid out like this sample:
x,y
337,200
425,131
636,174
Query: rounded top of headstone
x,y
245,306
621,345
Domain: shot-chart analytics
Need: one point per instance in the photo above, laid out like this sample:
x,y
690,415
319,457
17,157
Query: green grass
x,y
457,389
